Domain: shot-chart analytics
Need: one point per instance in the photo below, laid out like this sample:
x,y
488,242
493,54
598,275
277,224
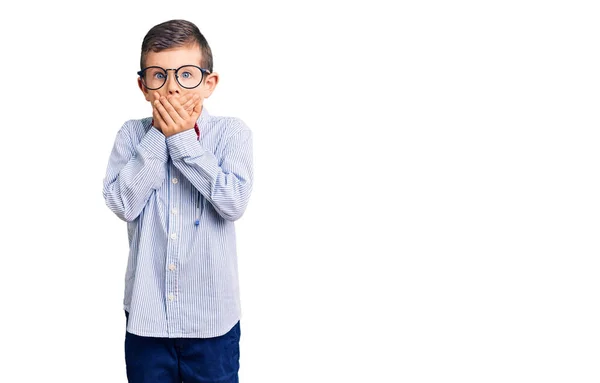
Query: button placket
x,y
174,235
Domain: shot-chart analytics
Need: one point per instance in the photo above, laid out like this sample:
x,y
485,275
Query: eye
x,y
159,75
186,75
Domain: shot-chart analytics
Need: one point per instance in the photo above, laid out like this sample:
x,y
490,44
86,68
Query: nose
x,y
172,85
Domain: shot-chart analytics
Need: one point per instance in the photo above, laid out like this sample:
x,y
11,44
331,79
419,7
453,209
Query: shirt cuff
x,y
154,143
184,144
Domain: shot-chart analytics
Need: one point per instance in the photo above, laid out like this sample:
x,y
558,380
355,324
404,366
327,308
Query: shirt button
x,y
174,180
171,267
171,297
174,210
173,236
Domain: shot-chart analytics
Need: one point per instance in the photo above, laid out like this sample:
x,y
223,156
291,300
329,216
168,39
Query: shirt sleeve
x,y
134,172
226,182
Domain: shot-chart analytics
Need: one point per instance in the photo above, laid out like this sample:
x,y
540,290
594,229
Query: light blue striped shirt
x,y
182,278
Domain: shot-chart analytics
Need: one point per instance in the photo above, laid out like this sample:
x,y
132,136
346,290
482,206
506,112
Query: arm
x,y
227,183
133,173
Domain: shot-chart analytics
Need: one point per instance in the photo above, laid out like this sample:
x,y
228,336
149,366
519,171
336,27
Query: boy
x,y
180,179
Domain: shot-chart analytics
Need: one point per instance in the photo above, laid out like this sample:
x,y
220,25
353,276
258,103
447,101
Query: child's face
x,y
175,58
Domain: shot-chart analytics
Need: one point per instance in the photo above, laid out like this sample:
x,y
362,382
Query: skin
x,y
176,109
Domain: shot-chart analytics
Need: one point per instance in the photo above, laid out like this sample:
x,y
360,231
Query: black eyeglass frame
x,y
202,70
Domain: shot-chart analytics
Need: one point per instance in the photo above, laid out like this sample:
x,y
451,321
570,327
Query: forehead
x,y
175,57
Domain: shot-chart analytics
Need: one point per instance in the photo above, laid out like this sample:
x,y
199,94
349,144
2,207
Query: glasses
x,y
188,76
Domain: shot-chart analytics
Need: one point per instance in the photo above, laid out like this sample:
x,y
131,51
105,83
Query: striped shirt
x,y
180,196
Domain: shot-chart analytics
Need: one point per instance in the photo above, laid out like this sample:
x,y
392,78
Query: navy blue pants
x,y
188,360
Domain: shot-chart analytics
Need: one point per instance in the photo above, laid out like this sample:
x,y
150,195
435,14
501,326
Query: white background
x,y
426,200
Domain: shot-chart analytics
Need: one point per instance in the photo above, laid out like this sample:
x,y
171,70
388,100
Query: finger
x,y
185,98
186,101
167,118
170,108
158,120
197,110
189,104
155,120
177,108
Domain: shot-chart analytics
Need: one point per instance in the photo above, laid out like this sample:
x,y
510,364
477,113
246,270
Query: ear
x,y
145,91
210,83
